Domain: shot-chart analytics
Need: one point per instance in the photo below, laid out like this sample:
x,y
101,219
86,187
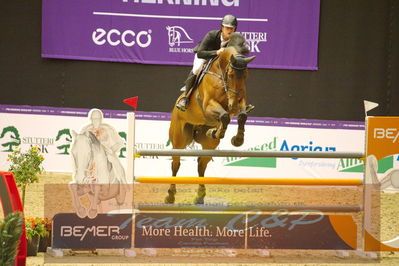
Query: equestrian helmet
x,y
229,21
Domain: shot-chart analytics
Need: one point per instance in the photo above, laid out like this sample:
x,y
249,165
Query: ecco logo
x,y
128,38
386,133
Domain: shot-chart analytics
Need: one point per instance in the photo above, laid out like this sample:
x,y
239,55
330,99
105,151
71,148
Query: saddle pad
x,y
204,69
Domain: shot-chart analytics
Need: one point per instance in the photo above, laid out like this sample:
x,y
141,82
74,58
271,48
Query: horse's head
x,y
82,154
235,79
234,65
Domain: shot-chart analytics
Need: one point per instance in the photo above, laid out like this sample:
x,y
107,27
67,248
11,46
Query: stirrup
x,y
182,104
249,108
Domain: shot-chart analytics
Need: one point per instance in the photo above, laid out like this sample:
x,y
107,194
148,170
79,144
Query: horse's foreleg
x,y
215,110
238,139
172,188
92,213
81,211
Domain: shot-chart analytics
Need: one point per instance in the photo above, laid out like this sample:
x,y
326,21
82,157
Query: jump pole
x,y
250,181
248,208
132,153
131,142
239,153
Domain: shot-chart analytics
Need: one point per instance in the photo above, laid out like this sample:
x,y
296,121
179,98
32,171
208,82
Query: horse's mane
x,y
238,42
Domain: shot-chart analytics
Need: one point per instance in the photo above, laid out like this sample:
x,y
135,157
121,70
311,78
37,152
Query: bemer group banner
x,y
283,34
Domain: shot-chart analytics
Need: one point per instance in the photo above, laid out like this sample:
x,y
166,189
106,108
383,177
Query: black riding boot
x,y
189,83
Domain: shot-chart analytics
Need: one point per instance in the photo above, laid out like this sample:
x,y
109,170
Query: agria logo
x,y
256,162
10,138
357,166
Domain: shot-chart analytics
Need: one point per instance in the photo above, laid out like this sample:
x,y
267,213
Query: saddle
x,y
204,71
201,75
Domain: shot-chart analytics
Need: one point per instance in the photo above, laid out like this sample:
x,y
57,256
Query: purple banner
x,y
283,34
120,114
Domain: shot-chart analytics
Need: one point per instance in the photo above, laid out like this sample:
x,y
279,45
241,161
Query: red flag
x,y
132,102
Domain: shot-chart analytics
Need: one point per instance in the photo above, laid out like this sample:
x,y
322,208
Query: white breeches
x,y
197,64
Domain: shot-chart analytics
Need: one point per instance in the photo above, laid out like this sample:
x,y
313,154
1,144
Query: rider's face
x,y
96,122
96,119
226,32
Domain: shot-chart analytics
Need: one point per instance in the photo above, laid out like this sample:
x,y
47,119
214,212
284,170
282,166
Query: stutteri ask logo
x,y
65,138
122,150
11,137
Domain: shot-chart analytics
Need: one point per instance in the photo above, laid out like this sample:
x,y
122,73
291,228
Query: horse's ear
x,y
233,59
249,59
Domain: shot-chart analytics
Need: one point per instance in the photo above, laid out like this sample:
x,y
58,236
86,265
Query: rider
x,y
211,46
110,140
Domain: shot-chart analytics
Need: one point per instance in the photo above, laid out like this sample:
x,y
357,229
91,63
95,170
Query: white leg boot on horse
x,y
185,99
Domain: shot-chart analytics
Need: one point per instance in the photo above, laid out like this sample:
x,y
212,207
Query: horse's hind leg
x,y
238,139
209,144
172,188
180,134
201,192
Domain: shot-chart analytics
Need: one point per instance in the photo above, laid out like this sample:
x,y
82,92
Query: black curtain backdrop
x,y
358,59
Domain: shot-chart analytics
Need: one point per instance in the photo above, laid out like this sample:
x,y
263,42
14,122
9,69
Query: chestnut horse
x,y
220,96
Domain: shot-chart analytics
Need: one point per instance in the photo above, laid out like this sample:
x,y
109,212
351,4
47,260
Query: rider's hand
x,y
218,52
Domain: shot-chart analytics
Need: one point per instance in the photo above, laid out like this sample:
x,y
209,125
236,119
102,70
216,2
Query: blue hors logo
x,y
177,35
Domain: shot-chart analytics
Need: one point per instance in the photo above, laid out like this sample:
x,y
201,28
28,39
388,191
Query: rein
x,y
224,77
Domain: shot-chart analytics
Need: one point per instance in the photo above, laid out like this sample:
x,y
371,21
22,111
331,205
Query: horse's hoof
x,y
236,141
92,213
169,199
199,200
211,133
120,200
81,212
120,197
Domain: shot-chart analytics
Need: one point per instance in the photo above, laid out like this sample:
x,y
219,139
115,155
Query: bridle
x,y
224,77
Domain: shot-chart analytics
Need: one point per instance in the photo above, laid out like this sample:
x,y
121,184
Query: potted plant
x,y
10,233
35,229
26,166
46,240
